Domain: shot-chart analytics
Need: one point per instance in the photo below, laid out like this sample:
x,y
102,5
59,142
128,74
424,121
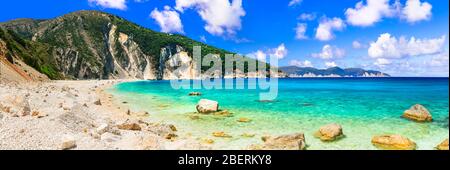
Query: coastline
x,y
84,111
70,110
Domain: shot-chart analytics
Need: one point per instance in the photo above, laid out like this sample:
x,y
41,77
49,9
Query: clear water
x,y
363,106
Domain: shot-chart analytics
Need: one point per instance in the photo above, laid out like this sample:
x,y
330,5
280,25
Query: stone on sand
x,y
443,145
329,132
284,142
393,142
68,142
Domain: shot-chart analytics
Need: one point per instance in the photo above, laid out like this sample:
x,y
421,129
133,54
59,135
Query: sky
x,y
398,37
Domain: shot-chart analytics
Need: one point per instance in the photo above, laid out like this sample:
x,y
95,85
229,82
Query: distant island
x,y
295,72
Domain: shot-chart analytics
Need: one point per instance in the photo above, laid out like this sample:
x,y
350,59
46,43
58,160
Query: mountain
x,y
97,45
294,71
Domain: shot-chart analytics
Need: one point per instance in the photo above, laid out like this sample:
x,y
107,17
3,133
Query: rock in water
x,y
329,132
207,106
418,113
284,142
393,142
443,145
68,142
195,94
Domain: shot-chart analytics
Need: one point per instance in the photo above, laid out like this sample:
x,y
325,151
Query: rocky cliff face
x,y
96,45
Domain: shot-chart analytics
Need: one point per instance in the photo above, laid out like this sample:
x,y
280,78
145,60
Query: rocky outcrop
x,y
393,142
443,145
207,106
418,113
329,132
283,142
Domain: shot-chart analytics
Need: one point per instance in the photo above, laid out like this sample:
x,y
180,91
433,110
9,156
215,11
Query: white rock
x,y
207,106
68,142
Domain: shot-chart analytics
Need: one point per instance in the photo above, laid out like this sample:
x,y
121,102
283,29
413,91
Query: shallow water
x,y
363,106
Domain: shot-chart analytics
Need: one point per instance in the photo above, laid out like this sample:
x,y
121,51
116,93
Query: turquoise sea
x,y
363,106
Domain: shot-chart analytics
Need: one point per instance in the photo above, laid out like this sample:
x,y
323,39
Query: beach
x,y
106,115
77,115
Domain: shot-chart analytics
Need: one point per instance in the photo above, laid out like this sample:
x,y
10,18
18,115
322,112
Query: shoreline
x,y
49,115
83,111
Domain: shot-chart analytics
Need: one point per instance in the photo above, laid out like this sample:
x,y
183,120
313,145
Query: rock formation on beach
x,y
443,145
393,142
207,106
329,132
283,142
418,113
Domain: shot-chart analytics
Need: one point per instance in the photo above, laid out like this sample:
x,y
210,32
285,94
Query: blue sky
x,y
400,37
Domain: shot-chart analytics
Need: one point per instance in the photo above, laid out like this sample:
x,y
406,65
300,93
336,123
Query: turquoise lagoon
x,y
363,106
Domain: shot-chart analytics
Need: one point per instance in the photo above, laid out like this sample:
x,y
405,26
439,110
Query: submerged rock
x,y
329,132
284,142
443,145
244,120
221,135
418,113
393,142
207,106
195,94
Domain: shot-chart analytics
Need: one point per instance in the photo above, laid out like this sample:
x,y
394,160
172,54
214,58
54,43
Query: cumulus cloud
x,y
221,16
295,2
326,27
387,46
307,16
373,11
368,14
168,20
330,64
300,31
299,63
415,11
280,52
116,4
329,52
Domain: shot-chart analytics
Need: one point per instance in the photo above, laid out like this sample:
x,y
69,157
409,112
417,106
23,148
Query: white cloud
x,y
357,45
329,52
280,52
299,63
415,11
116,4
221,16
295,2
326,27
330,64
387,46
440,60
307,16
381,62
300,31
368,14
168,19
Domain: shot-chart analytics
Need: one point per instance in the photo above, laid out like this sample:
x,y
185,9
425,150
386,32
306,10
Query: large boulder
x,y
443,145
207,106
393,142
283,142
329,132
418,113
